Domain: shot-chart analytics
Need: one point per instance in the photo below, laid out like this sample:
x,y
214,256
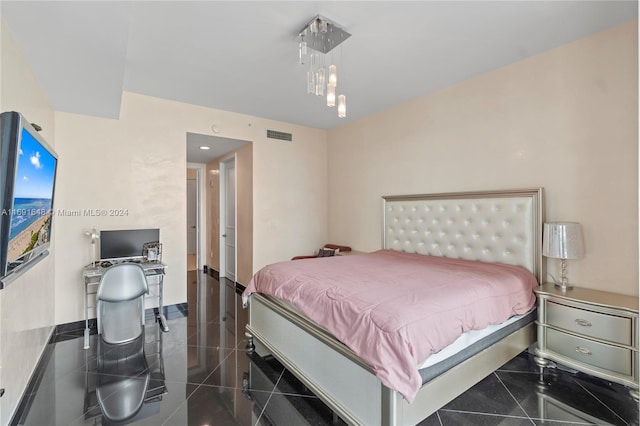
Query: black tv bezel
x,y
12,124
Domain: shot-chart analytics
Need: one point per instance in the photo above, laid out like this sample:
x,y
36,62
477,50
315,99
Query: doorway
x,y
228,218
192,219
211,154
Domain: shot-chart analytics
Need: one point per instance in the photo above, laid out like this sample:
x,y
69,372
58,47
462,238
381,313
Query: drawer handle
x,y
583,322
583,351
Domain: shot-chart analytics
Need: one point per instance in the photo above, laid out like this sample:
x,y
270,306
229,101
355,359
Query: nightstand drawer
x,y
600,355
591,324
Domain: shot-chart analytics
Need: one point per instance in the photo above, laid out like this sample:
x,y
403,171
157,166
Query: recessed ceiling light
x,y
204,147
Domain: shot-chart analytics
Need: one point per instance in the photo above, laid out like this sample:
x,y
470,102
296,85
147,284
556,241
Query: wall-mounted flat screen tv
x,y
27,185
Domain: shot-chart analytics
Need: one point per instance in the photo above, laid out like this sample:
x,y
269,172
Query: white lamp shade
x,y
563,240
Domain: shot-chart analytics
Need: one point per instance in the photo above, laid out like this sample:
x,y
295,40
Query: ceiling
x,y
243,56
206,148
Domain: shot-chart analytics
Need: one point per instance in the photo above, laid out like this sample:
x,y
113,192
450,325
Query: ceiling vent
x,y
279,136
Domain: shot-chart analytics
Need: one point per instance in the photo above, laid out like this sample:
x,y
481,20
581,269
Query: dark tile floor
x,y
199,374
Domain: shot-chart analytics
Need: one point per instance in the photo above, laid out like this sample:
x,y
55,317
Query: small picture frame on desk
x,y
152,254
152,251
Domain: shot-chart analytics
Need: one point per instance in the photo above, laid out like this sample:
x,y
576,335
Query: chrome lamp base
x,y
564,283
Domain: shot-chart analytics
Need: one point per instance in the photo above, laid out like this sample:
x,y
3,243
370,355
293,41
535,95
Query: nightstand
x,y
592,331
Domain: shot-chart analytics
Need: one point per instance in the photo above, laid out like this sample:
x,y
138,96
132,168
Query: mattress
x,y
465,346
471,343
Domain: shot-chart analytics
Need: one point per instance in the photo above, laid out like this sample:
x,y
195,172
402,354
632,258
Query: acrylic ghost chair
x,y
120,303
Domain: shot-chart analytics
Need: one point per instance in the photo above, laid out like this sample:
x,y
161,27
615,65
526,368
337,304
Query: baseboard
x,y
214,273
76,328
34,382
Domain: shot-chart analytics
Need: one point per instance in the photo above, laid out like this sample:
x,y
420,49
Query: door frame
x,y
201,213
222,215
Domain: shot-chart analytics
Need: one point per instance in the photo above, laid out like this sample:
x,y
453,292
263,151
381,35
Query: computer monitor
x,y
125,243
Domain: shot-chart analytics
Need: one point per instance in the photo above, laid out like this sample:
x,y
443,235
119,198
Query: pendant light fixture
x,y
342,106
320,36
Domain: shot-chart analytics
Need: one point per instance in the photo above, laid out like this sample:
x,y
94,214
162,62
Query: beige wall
x,y
244,212
566,120
26,311
138,163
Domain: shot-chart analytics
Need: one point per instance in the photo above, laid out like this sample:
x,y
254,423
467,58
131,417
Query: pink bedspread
x,y
394,309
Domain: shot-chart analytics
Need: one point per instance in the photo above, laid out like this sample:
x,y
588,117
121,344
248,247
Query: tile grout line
x,y
269,399
180,405
598,399
514,398
200,385
439,419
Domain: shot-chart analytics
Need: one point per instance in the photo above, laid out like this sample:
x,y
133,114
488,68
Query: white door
x,y
228,219
192,216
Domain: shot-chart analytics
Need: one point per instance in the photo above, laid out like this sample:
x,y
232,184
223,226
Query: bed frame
x,y
495,226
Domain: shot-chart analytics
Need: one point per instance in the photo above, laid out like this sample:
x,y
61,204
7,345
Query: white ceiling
x,y
216,147
242,56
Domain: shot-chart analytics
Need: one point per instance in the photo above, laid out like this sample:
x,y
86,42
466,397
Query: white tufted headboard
x,y
489,226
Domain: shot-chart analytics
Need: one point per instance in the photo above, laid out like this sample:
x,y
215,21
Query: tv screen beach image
x,y
32,198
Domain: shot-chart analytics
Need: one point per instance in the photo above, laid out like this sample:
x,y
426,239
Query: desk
x,y
91,275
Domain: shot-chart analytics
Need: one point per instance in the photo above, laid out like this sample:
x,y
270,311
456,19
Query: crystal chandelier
x,y
319,37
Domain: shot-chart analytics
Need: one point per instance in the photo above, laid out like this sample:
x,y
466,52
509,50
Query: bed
x,y
490,226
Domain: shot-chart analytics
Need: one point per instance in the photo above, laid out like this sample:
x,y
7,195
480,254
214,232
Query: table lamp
x,y
94,236
563,240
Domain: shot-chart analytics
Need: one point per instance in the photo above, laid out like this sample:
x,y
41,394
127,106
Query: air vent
x,y
281,136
